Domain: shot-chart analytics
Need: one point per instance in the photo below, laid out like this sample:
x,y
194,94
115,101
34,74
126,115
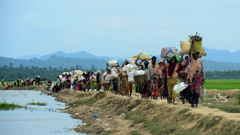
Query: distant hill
x,y
81,54
212,55
86,63
222,56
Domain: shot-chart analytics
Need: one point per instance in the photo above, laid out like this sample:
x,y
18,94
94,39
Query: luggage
x,y
112,63
142,56
180,87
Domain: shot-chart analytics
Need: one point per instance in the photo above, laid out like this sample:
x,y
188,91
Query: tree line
x,y
10,73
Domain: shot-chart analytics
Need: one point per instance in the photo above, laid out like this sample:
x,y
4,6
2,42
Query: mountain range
x,y
216,60
212,55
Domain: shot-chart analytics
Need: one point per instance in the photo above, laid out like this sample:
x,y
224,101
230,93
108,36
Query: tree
x,y
11,65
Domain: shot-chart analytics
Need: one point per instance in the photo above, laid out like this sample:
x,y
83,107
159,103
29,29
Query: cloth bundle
x,y
142,56
112,63
171,53
185,47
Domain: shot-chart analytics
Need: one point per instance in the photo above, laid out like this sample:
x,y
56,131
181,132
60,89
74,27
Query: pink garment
x,y
192,68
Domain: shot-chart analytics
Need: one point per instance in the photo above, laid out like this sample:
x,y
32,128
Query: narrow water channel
x,y
37,120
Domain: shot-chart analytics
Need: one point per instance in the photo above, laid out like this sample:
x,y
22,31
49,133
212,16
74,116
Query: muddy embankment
x,y
115,114
122,115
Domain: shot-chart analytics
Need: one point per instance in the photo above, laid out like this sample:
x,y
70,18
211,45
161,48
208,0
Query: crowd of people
x,y
160,78
21,82
157,79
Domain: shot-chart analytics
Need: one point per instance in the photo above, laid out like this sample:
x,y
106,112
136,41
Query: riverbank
x,y
119,115
122,115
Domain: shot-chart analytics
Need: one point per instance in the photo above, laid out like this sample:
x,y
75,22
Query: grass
x,y
222,84
107,133
6,106
229,108
38,103
135,133
238,97
90,101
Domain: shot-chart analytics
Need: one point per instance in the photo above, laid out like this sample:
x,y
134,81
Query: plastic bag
x,y
180,87
203,92
131,76
112,63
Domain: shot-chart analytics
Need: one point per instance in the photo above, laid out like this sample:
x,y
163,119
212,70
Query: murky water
x,y
37,120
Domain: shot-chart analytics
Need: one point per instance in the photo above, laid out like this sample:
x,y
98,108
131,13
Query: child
x,y
154,88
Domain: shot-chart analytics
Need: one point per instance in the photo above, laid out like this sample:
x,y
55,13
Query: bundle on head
x,y
196,43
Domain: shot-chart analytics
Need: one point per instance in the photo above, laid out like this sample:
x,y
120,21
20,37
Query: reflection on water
x,y
37,120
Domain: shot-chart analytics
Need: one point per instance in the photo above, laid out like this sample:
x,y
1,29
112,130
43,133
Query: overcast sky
x,y
115,27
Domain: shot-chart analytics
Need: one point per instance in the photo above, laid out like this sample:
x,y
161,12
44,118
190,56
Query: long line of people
x,y
151,79
21,82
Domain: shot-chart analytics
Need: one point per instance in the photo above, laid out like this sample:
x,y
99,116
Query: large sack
x,y
196,43
142,56
103,80
128,67
60,77
130,61
139,72
131,76
180,87
99,71
163,52
112,63
114,73
203,92
185,47
93,78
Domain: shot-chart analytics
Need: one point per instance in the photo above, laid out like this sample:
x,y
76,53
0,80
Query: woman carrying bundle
x,y
172,76
196,76
125,86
